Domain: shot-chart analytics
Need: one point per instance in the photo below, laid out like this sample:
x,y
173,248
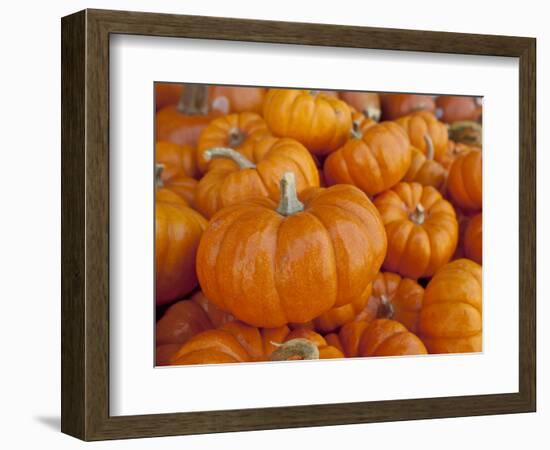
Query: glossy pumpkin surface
x,y
422,124
422,229
465,185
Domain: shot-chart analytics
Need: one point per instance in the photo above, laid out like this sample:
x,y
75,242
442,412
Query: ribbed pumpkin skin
x,y
178,230
425,171
422,123
269,270
465,184
473,239
451,315
417,250
176,159
237,342
232,130
226,184
395,106
375,162
319,121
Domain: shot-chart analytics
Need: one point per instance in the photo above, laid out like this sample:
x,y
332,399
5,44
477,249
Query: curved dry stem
x,y
289,203
429,147
224,152
298,348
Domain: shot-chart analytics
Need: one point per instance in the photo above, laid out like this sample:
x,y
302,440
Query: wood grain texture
x,y
85,224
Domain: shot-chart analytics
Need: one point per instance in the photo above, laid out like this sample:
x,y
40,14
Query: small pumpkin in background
x,y
466,132
421,227
178,229
317,120
424,169
454,108
236,99
236,178
454,150
272,264
237,342
230,131
167,94
373,161
176,160
420,124
473,239
182,123
451,316
395,106
360,123
464,183
366,103
182,185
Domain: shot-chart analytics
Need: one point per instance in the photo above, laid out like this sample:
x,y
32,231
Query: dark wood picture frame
x,y
85,224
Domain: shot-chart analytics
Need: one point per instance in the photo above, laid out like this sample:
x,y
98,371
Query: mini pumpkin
x,y
182,123
182,185
395,106
473,240
319,121
451,316
272,264
235,99
238,342
374,160
240,178
178,230
453,108
232,131
424,169
454,150
420,124
464,183
421,227
367,103
176,160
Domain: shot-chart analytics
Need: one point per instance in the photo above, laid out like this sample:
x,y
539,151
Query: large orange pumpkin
x,y
233,131
272,264
464,183
421,227
420,124
182,123
178,230
453,108
318,121
238,342
473,240
451,316
373,161
240,178
379,337
367,103
395,106
424,169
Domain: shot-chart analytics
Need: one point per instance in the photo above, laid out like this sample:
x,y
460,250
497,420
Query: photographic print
x,y
295,224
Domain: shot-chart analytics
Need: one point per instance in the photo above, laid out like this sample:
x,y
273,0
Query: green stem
x,y
298,348
224,152
289,203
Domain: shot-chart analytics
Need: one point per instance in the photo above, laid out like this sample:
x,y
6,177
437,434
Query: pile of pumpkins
x,y
298,224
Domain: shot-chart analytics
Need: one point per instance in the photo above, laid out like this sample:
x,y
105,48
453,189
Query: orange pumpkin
x,y
360,123
379,337
233,131
395,106
452,108
454,150
182,185
373,161
178,230
473,240
317,120
367,103
176,159
182,123
235,178
424,169
238,342
236,99
466,132
167,94
394,298
420,124
421,227
451,316
272,264
464,183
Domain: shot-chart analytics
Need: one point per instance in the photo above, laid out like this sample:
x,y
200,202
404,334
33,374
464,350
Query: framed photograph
x,y
273,225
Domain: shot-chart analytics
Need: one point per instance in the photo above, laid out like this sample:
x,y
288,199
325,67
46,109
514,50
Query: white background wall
x,y
30,222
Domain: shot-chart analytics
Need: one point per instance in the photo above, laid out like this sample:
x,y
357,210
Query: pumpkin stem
x,y
313,91
418,215
236,137
289,203
386,309
372,113
224,152
194,100
429,147
355,130
158,175
298,348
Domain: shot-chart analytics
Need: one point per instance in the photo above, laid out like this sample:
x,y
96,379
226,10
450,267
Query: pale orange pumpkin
x,y
367,103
